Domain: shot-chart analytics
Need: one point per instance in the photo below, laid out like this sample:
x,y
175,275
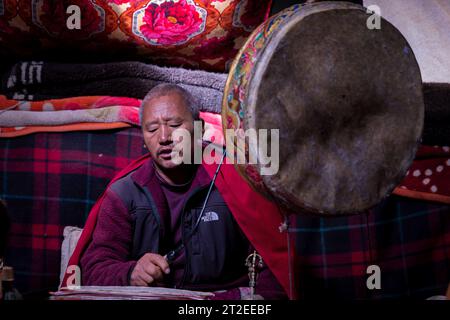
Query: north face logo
x,y
210,216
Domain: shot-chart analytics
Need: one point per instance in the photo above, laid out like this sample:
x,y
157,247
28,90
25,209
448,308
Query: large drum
x,y
347,101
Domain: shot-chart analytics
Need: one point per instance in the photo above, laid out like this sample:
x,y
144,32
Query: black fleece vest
x,y
216,252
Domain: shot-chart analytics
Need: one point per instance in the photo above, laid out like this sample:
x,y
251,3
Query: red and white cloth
x,y
428,178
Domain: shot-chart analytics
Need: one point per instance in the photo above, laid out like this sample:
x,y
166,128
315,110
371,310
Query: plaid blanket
x,y
51,180
408,239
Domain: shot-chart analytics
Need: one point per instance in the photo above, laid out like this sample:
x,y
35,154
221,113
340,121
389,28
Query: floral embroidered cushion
x,y
204,34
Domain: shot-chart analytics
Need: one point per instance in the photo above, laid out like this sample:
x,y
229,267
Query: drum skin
x,y
347,101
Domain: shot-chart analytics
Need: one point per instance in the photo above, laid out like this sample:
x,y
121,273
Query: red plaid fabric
x,y
49,181
408,239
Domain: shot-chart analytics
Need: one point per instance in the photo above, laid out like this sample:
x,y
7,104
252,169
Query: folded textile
x,y
16,126
72,103
18,118
45,80
66,121
209,100
12,132
50,118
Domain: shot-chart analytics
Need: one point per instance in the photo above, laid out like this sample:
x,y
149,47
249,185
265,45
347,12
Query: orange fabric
x,y
422,195
5,133
84,102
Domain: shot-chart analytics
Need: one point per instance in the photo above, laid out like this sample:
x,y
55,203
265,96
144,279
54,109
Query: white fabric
x,y
426,26
71,236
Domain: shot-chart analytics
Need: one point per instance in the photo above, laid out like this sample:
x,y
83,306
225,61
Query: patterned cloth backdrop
x,y
51,180
204,34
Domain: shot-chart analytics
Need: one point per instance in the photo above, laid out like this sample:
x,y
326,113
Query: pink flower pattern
x,y
171,22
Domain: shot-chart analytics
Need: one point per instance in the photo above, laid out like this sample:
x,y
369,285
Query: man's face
x,y
163,115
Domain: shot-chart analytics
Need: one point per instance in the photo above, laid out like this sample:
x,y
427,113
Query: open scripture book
x,y
127,293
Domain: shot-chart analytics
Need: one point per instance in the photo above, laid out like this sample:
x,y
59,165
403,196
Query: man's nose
x,y
165,135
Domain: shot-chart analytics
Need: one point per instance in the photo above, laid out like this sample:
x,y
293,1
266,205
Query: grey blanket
x,y
44,80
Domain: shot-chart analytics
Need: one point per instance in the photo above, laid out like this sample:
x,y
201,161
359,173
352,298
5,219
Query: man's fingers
x,y
160,262
141,283
138,281
153,270
146,278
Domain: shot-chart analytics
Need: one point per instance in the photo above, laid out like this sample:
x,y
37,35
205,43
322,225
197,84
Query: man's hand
x,y
149,269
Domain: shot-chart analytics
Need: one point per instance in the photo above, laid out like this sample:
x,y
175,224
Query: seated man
x,y
151,229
